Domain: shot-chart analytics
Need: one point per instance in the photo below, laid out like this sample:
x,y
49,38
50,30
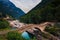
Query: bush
x,y
14,36
53,30
4,24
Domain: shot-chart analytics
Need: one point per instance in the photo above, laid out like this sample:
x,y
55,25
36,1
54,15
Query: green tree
x,y
43,13
14,36
4,24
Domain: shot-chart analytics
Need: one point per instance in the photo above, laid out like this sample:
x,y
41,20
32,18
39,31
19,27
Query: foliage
x,y
48,12
34,38
4,24
14,36
53,30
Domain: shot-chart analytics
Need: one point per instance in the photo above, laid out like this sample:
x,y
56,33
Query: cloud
x,y
25,5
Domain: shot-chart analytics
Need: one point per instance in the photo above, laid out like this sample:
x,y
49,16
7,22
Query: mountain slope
x,y
7,7
45,11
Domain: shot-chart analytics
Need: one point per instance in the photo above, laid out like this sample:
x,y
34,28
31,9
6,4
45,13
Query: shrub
x,y
4,24
14,36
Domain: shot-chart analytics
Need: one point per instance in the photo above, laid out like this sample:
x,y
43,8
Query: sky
x,y
25,5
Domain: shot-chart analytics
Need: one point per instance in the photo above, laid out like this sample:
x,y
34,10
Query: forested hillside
x,y
48,10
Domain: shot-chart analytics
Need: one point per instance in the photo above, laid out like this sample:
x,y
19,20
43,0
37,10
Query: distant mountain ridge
x,y
7,7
